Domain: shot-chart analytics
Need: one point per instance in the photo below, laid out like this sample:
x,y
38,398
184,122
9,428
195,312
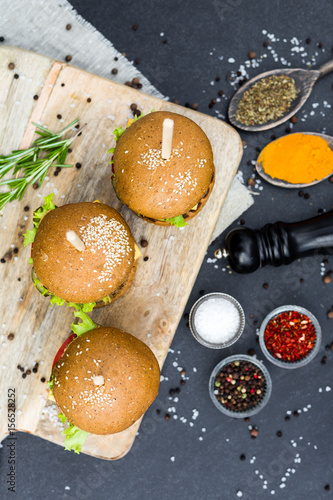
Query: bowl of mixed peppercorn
x,y
290,336
240,386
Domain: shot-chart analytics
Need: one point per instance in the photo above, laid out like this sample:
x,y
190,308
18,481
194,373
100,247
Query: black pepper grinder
x,y
278,244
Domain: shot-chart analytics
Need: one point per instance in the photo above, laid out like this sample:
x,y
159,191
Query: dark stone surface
x,y
198,33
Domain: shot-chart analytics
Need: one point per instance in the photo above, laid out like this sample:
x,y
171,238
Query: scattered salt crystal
x,y
217,320
239,493
172,459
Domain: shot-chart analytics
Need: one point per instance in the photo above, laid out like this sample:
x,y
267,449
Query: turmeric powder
x,y
298,158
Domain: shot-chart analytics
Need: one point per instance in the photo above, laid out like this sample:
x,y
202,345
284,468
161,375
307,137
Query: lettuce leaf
x,y
86,324
118,132
178,221
107,299
29,236
50,383
57,300
74,437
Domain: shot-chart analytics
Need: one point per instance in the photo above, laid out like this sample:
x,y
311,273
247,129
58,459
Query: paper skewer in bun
x,y
163,191
83,253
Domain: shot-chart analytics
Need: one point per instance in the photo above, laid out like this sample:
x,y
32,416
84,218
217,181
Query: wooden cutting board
x,y
154,305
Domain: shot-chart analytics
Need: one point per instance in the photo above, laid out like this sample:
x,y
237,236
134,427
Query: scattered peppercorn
x,y
144,243
331,178
323,360
327,279
279,434
254,433
36,97
220,92
320,45
10,336
62,84
16,76
11,65
195,105
177,390
59,117
146,258
242,457
306,196
2,39
16,250
308,40
35,185
294,119
330,314
273,137
182,382
288,130
135,27
133,106
167,416
68,27
158,411
247,419
251,352
287,418
201,292
137,112
183,373
295,413
265,44
251,182
327,487
42,380
68,58
137,61
78,165
3,261
24,375
265,286
89,99
252,54
114,71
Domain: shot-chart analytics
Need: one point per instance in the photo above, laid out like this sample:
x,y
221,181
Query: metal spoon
x,y
304,81
285,184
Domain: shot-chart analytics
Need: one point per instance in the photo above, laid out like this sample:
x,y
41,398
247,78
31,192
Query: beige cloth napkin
x,y
40,25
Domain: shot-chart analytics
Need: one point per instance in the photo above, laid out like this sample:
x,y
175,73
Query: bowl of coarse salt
x,y
217,320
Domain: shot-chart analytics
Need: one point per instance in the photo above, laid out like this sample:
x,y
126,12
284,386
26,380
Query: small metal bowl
x,y
229,299
280,362
262,402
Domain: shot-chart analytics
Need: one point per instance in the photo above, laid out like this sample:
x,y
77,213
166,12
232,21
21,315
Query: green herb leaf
x,y
34,162
50,383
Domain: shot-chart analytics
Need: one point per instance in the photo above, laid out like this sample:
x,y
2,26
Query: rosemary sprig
x,y
33,163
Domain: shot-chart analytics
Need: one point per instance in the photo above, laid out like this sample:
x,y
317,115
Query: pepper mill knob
x,y
278,244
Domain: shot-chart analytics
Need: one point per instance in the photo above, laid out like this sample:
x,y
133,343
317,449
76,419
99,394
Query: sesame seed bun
x,y
98,271
105,380
162,189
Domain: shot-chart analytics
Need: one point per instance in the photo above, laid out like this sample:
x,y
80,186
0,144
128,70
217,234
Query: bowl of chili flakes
x,y
290,336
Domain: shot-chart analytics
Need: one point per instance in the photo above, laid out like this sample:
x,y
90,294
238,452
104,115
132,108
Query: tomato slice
x,y
61,351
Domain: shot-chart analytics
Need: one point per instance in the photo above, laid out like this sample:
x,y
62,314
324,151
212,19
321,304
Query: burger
x,y
163,191
95,268
103,380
